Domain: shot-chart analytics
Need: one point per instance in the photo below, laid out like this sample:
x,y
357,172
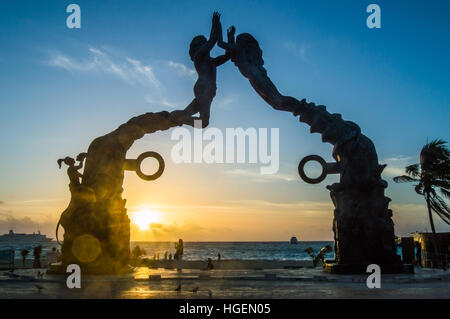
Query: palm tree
x,y
24,253
37,256
432,174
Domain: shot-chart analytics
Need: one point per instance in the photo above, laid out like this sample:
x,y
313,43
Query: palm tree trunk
x,y
437,254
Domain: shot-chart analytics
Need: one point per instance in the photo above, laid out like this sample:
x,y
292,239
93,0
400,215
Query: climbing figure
x,y
72,170
205,87
79,193
247,56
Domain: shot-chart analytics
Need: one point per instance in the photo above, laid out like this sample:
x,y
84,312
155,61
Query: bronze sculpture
x,y
205,87
363,227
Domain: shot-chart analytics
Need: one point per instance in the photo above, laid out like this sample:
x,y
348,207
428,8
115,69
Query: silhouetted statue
x,y
362,225
96,207
79,193
72,170
247,56
205,87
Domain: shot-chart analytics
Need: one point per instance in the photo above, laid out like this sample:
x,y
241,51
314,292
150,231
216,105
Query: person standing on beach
x,y
219,257
165,255
418,253
179,247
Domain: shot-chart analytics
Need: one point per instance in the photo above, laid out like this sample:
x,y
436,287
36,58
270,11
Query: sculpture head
x,y
249,49
69,161
196,43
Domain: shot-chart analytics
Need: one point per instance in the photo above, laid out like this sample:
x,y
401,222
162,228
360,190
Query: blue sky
x,y
60,88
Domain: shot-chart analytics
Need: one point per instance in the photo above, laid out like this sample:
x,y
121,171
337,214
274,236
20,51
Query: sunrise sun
x,y
143,218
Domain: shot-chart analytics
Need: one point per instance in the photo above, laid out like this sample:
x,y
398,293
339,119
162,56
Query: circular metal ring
x,y
158,172
318,159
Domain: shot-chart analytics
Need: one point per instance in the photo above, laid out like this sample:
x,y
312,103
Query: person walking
x,y
179,247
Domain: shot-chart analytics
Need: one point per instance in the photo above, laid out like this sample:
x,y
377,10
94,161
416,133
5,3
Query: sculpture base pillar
x,y
97,237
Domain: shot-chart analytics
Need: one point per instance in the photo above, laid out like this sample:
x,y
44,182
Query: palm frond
x,y
438,147
445,192
435,156
439,206
441,183
404,179
419,189
412,170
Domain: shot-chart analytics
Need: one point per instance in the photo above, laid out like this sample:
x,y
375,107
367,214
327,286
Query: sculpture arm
x,y
80,158
221,59
230,46
207,47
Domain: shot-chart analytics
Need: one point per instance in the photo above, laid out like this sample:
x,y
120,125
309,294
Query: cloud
x,y
162,101
225,102
304,206
127,69
396,165
26,224
396,158
183,70
393,171
257,176
409,218
171,232
144,71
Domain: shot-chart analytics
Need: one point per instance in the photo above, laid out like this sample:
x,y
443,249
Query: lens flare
x,y
86,248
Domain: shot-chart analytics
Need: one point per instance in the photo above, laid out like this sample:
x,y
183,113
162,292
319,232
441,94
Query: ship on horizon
x,y
24,239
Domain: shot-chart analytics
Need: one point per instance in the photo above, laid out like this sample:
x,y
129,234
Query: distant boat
x,y
24,239
294,240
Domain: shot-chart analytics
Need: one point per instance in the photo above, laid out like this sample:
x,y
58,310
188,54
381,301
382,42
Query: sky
x,y
60,88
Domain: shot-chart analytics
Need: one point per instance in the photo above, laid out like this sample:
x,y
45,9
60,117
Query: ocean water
x,y
205,250
236,250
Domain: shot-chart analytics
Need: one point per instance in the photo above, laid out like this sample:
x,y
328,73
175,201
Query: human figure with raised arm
x,y
247,56
72,170
205,87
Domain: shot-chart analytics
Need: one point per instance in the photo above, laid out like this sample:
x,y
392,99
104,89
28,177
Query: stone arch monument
x,y
96,225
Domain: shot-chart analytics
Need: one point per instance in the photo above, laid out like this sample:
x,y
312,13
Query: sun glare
x,y
144,218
